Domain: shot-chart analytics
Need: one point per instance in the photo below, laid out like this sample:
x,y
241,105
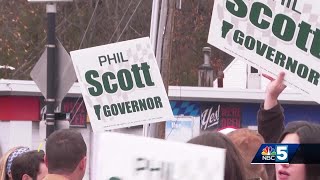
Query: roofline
x,y
186,93
232,95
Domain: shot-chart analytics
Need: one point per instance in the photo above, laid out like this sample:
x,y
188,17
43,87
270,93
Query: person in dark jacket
x,y
271,127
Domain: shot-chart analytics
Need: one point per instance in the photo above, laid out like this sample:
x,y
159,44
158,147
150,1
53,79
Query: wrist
x,y
270,102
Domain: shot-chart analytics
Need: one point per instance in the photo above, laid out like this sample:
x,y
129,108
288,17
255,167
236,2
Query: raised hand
x,y
273,90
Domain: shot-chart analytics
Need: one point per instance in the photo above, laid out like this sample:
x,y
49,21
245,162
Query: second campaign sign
x,y
272,36
121,85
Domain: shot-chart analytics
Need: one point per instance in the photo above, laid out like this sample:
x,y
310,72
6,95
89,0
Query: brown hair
x,y
28,163
248,142
3,163
234,162
309,133
64,150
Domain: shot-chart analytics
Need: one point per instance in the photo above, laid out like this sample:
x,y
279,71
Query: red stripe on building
x,y
21,108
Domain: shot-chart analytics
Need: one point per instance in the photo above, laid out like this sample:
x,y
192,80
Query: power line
x,y
85,32
120,22
129,19
110,40
83,37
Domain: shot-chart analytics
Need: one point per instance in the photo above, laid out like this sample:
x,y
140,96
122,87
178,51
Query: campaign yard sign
x,y
121,85
272,36
126,157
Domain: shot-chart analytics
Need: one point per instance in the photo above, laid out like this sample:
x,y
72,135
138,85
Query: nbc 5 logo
x,y
282,153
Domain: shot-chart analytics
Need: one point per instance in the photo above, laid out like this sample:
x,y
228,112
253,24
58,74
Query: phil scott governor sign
x,y
272,36
121,85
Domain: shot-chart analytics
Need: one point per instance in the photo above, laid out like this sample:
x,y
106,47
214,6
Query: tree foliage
x,y
82,24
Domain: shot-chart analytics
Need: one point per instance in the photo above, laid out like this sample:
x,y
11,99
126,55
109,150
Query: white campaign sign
x,y
124,157
121,85
272,36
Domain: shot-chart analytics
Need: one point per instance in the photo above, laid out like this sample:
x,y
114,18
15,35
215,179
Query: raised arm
x,y
270,115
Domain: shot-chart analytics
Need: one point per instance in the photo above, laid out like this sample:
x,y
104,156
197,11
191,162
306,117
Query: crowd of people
x,y
65,151
64,159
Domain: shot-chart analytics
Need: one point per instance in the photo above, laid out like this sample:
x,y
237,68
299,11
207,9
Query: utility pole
x,y
53,73
163,56
51,9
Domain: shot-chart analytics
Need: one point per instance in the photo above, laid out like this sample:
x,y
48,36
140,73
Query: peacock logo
x,y
268,151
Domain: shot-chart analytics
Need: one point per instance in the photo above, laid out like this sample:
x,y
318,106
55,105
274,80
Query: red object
x,y
19,108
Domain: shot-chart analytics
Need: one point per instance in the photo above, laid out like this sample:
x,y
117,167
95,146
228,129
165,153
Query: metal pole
x,y
153,37
51,48
154,23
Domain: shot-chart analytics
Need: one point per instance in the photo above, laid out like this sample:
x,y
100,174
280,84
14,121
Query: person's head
x,y
234,161
6,161
248,142
66,153
299,132
29,166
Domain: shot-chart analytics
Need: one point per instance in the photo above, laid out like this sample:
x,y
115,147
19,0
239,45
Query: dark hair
x,y
309,133
64,150
234,162
27,163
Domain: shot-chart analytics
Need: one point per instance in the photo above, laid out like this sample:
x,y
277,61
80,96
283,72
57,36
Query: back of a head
x,y
4,161
248,142
64,150
234,161
28,163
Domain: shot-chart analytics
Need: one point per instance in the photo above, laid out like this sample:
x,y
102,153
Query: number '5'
x,y
282,154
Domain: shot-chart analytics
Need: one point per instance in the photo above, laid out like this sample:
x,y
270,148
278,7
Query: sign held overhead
x,y
121,85
272,36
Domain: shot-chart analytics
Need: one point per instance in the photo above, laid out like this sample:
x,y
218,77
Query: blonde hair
x,y
3,163
248,142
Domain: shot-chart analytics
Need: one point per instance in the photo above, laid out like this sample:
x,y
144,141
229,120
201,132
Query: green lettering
x,y
128,85
256,10
249,42
270,53
97,111
135,69
145,68
157,101
106,110
237,8
283,27
142,104
121,108
96,90
106,82
315,47
114,109
114,178
314,77
261,48
135,106
302,70
128,107
238,37
150,103
226,27
291,65
303,35
279,59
